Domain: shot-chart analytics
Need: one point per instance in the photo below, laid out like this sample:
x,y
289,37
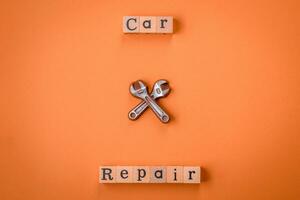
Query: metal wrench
x,y
139,90
160,89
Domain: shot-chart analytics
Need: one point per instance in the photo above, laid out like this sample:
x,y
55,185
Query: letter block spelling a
x,y
158,174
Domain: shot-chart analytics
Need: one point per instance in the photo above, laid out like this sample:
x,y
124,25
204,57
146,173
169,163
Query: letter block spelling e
x,y
124,174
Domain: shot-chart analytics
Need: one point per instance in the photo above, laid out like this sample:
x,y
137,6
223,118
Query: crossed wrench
x,y
160,89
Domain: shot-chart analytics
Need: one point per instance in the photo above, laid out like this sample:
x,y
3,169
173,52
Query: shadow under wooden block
x,y
191,174
177,26
141,174
147,24
107,174
174,174
124,174
205,175
158,174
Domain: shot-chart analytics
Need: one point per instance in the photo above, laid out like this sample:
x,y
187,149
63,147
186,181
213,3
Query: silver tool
x,y
160,89
139,90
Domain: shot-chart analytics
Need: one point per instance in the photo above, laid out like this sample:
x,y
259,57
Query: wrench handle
x,y
162,115
137,110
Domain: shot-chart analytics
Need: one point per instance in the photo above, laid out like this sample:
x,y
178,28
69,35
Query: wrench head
x,y
160,89
138,89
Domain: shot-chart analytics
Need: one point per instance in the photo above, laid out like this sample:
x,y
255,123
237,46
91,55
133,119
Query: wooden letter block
x,y
147,24
131,24
107,174
141,174
124,174
174,174
164,24
191,174
158,174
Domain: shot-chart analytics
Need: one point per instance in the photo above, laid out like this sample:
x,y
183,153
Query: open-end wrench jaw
x,y
160,89
138,89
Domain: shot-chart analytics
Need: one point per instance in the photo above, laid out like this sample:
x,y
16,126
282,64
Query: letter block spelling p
x,y
141,174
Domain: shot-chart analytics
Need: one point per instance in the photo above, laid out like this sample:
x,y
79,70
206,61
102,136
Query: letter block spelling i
x,y
175,174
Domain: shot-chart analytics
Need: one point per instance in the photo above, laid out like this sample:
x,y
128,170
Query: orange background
x,y
65,71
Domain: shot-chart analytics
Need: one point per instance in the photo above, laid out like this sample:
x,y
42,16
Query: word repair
x,y
150,174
